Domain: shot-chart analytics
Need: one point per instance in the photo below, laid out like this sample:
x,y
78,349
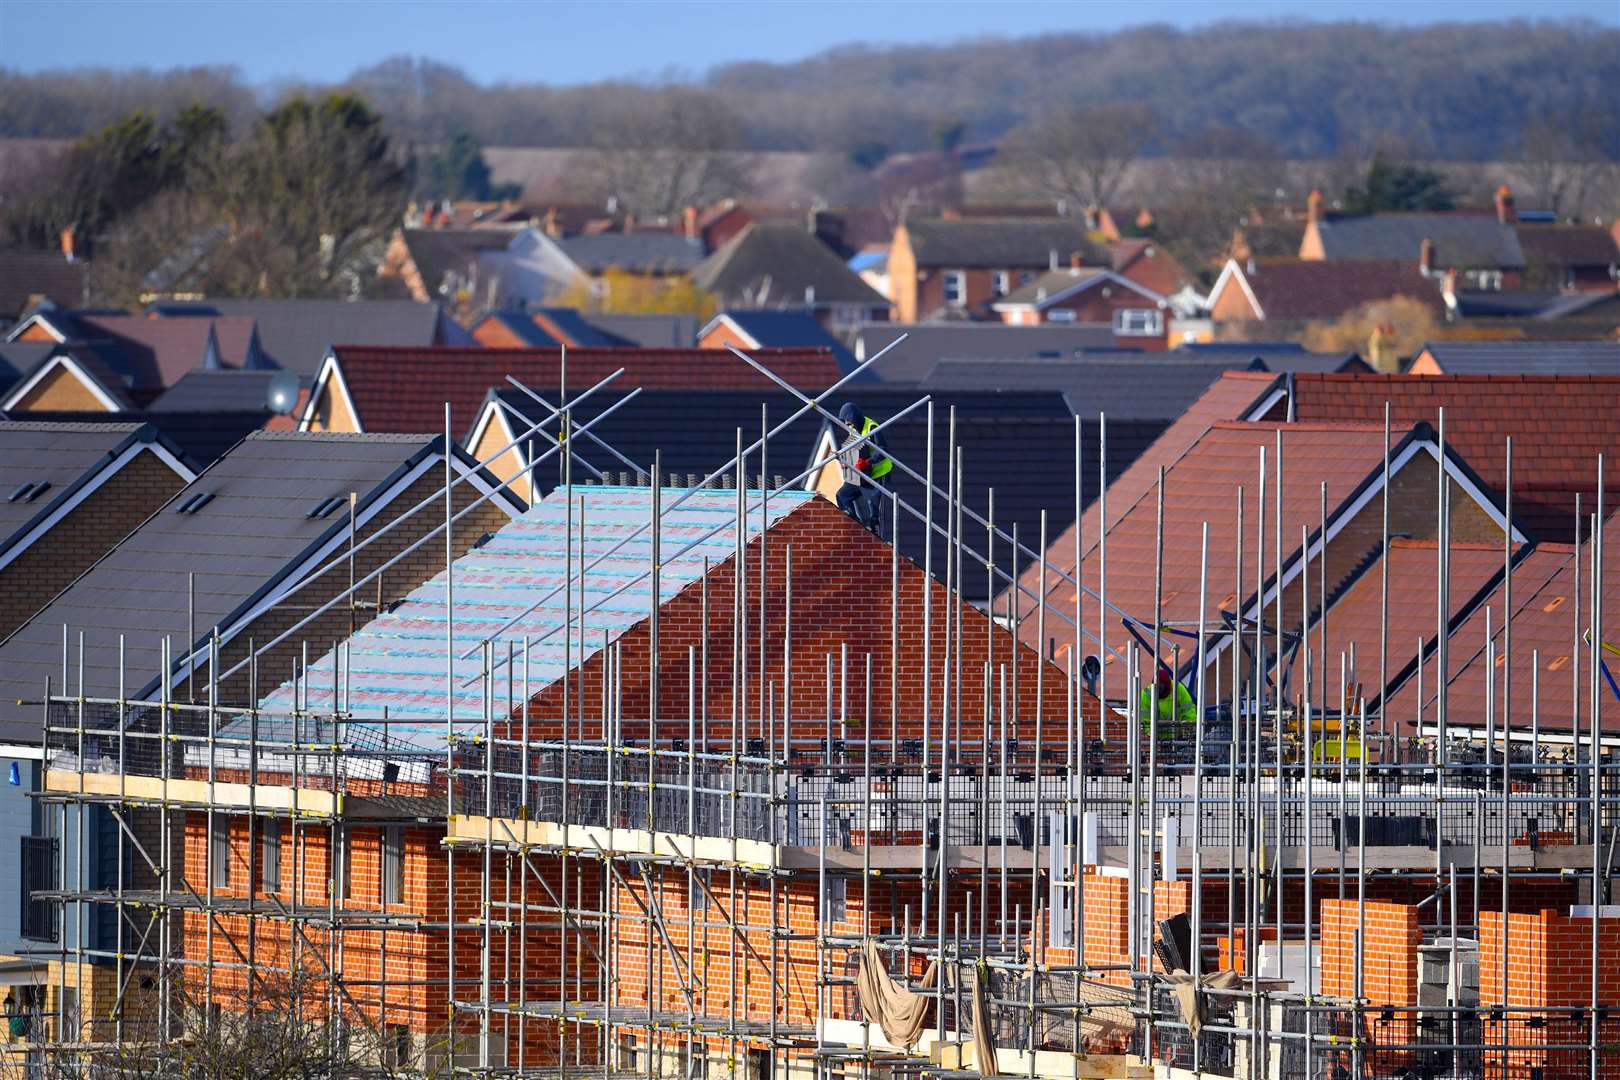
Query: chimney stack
x,y
1313,205
1074,260
1504,205
689,219
1426,257
67,244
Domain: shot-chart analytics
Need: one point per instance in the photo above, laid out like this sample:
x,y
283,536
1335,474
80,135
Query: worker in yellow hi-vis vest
x,y
865,465
1178,713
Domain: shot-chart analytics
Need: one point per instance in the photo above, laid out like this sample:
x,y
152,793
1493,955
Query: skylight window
x,y
30,491
326,506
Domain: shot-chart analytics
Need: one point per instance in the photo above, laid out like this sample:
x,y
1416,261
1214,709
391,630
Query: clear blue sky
x,y
569,42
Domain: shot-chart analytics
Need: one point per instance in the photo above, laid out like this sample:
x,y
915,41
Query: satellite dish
x,y
281,396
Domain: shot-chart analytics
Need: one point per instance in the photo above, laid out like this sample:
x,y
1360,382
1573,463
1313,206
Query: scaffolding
x,y
1016,836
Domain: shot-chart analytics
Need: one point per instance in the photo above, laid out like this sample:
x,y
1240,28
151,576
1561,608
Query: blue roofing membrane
x,y
397,662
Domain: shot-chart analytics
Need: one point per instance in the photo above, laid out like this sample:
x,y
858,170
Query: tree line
x,y
1460,91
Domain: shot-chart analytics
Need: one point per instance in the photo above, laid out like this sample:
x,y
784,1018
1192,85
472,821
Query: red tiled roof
x,y
1354,622
1559,424
404,390
1326,289
1202,487
1568,245
1544,606
1228,398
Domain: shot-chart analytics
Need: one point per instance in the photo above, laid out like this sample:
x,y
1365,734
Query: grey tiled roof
x,y
770,265
295,334
1526,357
927,344
252,533
666,253
1005,243
1460,240
55,454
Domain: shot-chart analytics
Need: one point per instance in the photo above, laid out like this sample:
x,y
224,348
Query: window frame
x,y
219,852
946,280
1152,327
392,869
270,851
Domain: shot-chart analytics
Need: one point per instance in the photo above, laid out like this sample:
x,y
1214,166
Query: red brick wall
x,y
92,529
1549,963
841,594
1389,951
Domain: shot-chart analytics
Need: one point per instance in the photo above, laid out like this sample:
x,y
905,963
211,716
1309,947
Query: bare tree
x,y
1081,153
656,153
1564,158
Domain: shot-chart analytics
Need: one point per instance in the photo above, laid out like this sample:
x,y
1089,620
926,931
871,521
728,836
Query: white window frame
x,y
1000,282
1060,314
1125,324
953,281
393,865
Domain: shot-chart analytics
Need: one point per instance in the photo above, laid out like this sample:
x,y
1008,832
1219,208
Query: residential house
x,y
261,544
1287,294
1517,358
294,335
405,390
111,361
1483,249
944,268
202,432
782,328
403,888
779,266
1343,463
1148,265
871,265
459,268
72,492
1581,257
543,328
1139,316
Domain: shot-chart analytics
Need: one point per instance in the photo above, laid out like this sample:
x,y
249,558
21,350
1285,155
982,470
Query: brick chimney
x,y
1313,205
689,218
67,244
1426,257
1504,205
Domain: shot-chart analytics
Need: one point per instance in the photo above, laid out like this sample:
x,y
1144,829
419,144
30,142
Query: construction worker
x,y
865,465
1178,713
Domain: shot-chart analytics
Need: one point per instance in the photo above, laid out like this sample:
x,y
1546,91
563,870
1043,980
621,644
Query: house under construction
x,y
707,780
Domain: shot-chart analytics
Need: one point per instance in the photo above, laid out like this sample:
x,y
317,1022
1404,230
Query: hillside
x,y
1453,91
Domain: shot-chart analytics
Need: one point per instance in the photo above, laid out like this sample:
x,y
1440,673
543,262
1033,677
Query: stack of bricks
x,y
1550,963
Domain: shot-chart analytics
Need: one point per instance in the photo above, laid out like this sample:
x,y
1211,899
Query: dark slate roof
x,y
29,273
295,334
19,357
928,343
1055,283
1022,444
785,329
1145,388
644,252
1285,356
1002,243
765,265
1526,357
650,331
572,324
523,328
1542,304
440,253
251,535
59,455
201,390
1464,241
696,431
203,436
